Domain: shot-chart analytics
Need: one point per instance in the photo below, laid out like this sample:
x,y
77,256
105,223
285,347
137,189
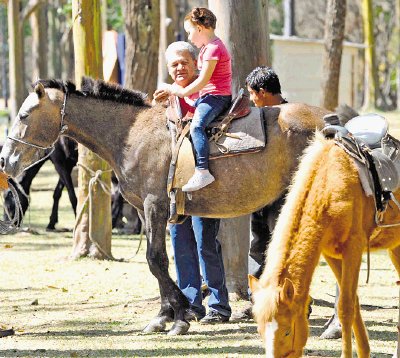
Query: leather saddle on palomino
x,y
238,131
376,153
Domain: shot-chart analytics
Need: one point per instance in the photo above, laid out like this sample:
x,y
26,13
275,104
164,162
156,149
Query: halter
x,y
63,128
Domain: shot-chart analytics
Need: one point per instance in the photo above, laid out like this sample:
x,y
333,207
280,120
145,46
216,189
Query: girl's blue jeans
x,y
208,108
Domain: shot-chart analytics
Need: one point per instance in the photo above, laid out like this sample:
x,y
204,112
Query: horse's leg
x,y
56,199
349,308
171,295
357,323
65,175
394,255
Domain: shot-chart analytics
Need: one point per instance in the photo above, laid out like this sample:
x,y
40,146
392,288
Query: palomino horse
x,y
119,126
326,211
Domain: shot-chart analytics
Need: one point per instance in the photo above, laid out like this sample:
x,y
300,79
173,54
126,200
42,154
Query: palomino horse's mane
x,y
292,210
98,89
287,224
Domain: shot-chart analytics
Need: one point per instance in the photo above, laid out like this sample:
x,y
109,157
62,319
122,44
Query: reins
x,y
10,225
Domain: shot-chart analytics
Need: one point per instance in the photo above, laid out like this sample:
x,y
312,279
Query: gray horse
x,y
119,126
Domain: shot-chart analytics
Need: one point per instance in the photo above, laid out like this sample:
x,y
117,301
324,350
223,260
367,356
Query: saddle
x,y
376,153
239,130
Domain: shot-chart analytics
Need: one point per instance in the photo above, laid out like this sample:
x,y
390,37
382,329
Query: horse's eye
x,y
287,333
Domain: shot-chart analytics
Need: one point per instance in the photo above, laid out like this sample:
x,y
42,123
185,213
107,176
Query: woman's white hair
x,y
179,47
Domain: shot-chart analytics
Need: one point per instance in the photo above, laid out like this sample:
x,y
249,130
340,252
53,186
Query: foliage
x,y
115,19
276,17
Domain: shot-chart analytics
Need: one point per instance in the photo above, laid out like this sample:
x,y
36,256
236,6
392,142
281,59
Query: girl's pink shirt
x,y
221,79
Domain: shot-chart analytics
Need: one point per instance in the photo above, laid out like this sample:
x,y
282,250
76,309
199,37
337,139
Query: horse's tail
x,y
300,189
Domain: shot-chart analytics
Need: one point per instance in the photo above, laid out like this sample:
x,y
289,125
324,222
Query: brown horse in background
x,y
326,212
119,126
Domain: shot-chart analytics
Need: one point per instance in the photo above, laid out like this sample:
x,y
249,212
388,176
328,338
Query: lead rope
x,y
88,202
10,225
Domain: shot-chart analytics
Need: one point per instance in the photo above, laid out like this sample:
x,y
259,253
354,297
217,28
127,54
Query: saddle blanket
x,y
246,134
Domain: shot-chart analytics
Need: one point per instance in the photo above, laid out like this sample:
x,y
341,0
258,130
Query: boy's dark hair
x,y
202,16
264,77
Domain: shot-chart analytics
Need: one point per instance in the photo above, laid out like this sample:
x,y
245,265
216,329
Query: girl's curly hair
x,y
201,16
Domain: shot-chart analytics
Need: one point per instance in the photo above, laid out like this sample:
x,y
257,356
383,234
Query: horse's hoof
x,y
179,328
334,331
157,324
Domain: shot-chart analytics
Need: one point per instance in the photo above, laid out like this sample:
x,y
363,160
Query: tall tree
x,y
398,70
54,37
252,16
3,52
142,32
92,234
334,35
38,20
231,16
16,59
371,74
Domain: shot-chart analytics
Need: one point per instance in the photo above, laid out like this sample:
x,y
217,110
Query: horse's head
x,y
281,322
35,129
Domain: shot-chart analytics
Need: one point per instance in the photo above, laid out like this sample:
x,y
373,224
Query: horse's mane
x,y
98,89
287,224
290,216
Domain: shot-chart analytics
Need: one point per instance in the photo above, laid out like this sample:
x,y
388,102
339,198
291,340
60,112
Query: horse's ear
x,y
287,293
39,89
254,284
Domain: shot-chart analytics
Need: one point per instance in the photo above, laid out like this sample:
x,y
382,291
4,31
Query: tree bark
x,y
241,14
253,16
54,60
91,238
39,42
142,32
334,35
162,63
16,59
398,68
371,74
3,53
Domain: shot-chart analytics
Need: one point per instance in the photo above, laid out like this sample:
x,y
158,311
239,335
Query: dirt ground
x,y
86,308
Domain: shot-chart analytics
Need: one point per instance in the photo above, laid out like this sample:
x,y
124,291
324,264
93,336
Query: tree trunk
x,y
142,32
288,26
4,53
39,42
398,64
91,238
334,35
162,63
241,14
371,74
231,16
16,59
54,60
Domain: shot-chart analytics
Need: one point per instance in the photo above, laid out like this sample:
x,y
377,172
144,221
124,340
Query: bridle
x,y
63,128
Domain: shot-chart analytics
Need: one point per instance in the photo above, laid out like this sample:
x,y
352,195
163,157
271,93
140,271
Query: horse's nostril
x,y
2,163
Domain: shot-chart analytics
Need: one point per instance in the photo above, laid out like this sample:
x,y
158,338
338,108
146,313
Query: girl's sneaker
x,y
200,179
